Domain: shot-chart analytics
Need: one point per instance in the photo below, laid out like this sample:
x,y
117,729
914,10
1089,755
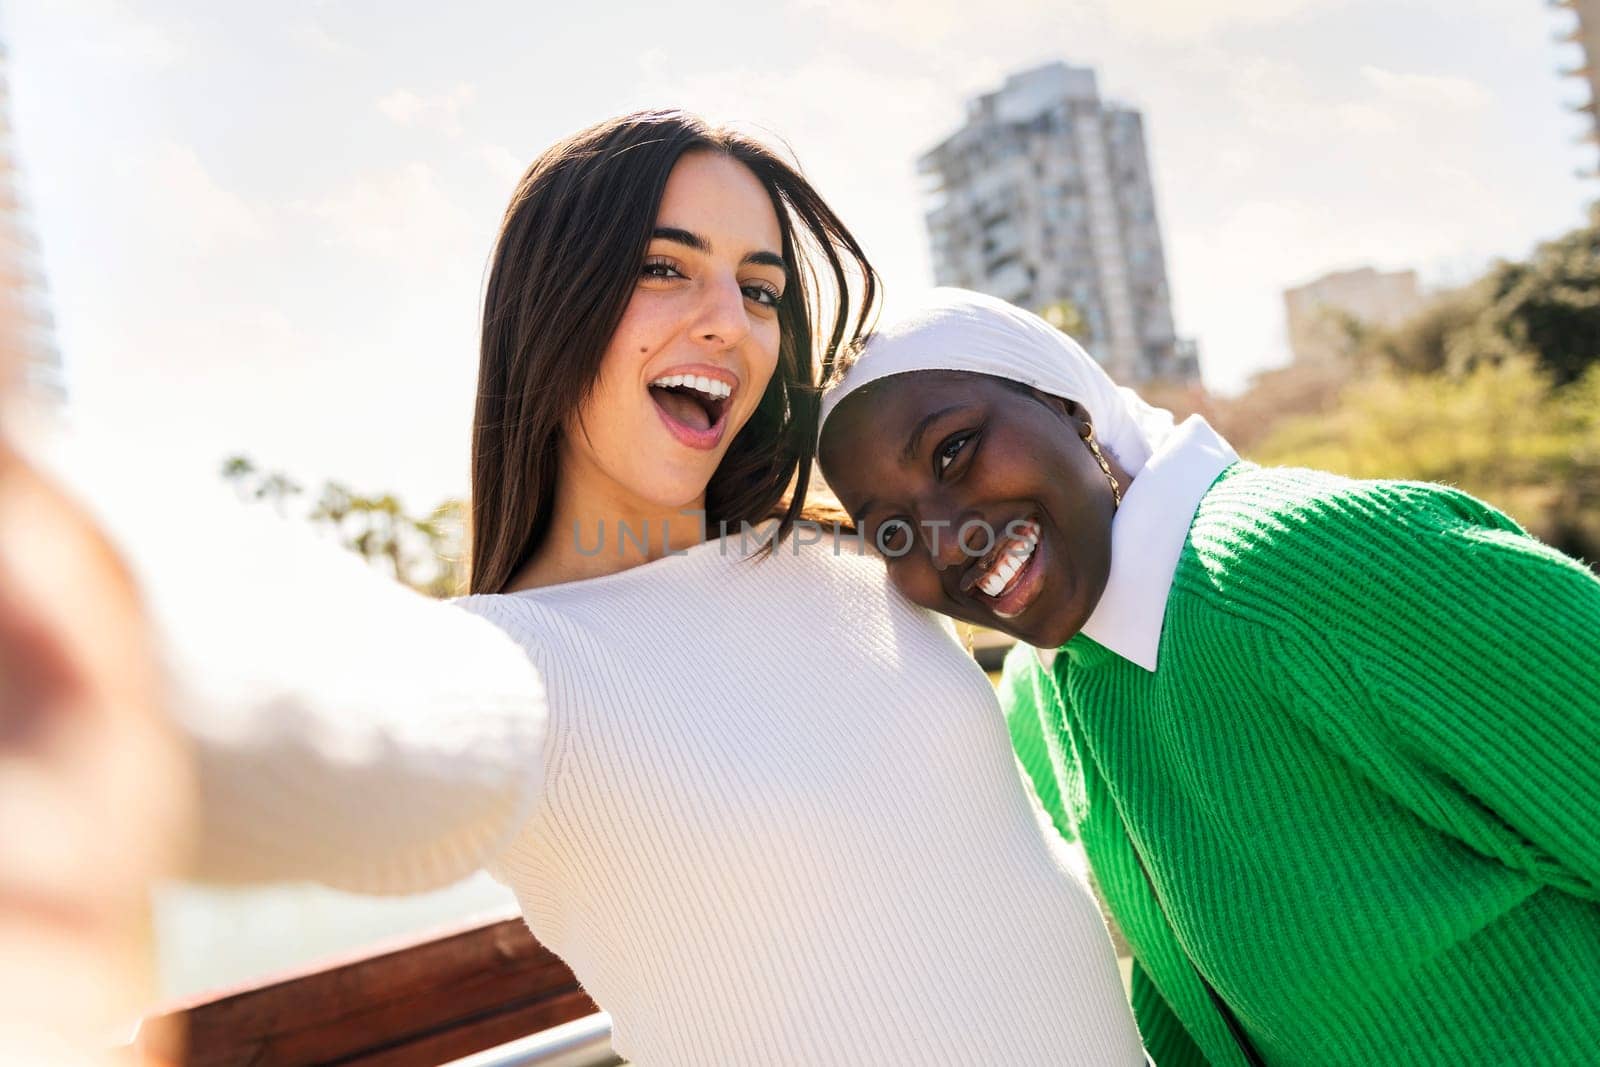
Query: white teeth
x,y
1009,562
709,386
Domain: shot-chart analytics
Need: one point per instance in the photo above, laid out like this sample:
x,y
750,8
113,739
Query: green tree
x,y
426,552
251,483
1548,307
1545,308
1503,431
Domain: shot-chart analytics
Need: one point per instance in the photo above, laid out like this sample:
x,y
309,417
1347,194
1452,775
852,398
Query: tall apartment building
x,y
27,353
1044,198
1585,32
1320,311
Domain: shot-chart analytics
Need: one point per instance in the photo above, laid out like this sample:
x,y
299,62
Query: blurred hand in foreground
x,y
94,783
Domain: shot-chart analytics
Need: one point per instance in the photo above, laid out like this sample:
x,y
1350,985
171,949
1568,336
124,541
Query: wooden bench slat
x,y
432,1000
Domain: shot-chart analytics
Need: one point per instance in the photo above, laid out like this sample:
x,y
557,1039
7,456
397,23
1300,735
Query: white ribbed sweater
x,y
781,823
767,811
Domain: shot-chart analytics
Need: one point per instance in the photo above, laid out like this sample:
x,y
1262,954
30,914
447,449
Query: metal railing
x,y
583,1042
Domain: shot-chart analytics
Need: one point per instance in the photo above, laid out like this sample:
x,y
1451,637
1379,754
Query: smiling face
x,y
982,497
695,350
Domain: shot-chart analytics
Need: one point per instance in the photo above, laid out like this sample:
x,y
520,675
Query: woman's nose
x,y
721,319
954,540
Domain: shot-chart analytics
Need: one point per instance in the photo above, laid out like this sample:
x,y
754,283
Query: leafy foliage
x,y
425,552
1503,431
1545,309
1493,388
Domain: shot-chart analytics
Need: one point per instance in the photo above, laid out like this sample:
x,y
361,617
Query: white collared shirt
x,y
1147,536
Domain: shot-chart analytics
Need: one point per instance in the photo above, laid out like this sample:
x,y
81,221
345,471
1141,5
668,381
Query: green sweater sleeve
x,y
1025,693
1168,1043
1479,647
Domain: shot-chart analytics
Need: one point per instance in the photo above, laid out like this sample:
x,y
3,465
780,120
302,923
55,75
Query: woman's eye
x,y
655,268
893,538
951,449
765,295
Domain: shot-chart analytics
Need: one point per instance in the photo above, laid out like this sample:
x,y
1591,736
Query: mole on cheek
x,y
644,348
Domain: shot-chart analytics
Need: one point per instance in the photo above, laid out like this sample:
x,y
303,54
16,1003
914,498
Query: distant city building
x,y
1044,198
27,352
1586,33
1320,312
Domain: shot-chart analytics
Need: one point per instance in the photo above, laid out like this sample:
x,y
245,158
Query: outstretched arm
x,y
344,728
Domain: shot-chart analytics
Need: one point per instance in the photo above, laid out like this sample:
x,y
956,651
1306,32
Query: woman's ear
x,y
1074,412
1071,410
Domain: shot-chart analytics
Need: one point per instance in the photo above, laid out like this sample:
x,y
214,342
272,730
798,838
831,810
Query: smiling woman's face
x,y
695,349
930,463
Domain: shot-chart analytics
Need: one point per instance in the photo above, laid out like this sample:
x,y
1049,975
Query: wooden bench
x,y
423,1002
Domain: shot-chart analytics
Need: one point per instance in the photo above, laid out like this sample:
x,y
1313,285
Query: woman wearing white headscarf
x,y
1329,745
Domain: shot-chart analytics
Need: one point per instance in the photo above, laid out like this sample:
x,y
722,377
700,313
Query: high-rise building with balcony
x,y
1585,32
1044,198
27,354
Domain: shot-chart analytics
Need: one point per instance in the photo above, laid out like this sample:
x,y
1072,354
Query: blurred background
x,y
1355,235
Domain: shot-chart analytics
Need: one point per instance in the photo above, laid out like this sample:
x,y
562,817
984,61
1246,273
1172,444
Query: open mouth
x,y
1005,580
693,406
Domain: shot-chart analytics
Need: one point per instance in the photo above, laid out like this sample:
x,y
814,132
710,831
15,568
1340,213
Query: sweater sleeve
x,y
1480,644
1024,692
344,728
1168,1043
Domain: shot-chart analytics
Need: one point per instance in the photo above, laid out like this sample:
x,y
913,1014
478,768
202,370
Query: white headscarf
x,y
956,329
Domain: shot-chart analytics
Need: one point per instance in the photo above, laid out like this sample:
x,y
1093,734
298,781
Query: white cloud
x,y
314,37
1428,90
1183,19
114,34
1271,96
1277,98
440,112
1366,119
173,202
503,163
399,212
912,23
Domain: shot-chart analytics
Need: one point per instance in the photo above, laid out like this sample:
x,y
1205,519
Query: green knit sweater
x,y
1360,795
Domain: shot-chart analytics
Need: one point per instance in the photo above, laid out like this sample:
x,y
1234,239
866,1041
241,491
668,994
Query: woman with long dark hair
x,y
778,819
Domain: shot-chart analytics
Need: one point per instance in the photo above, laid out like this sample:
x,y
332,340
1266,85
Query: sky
x,y
265,226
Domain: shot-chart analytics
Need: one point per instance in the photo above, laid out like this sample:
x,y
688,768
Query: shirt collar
x,y
1147,536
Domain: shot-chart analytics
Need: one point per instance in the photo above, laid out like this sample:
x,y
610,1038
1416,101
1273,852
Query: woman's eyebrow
x,y
767,259
914,443
687,238
690,239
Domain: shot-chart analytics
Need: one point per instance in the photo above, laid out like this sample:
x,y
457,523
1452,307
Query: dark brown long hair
x,y
565,265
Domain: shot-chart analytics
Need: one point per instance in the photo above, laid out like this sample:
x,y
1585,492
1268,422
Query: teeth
x,y
1009,562
708,386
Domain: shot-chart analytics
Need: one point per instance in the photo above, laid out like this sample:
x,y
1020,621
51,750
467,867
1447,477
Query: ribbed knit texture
x,y
1364,781
782,824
